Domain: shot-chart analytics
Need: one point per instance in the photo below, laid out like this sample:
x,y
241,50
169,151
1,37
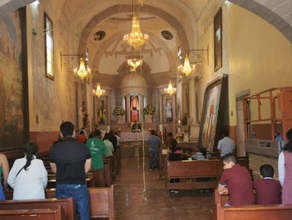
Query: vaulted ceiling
x,y
101,25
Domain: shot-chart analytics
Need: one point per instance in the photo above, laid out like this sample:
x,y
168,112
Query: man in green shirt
x,y
97,150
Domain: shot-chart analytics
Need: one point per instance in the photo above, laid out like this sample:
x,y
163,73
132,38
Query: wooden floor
x,y
132,203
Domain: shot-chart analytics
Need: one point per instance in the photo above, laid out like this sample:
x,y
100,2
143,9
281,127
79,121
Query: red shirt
x,y
268,191
239,184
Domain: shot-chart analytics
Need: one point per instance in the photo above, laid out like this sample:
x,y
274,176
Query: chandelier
x,y
98,92
136,39
170,90
82,71
186,68
134,63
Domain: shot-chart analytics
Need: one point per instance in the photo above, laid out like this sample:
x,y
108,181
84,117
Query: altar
x,y
135,136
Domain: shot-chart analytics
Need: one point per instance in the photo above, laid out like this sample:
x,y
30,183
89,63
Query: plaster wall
x,y
259,55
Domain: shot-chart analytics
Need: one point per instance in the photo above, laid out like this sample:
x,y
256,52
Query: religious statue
x,y
136,127
101,114
84,115
134,107
168,111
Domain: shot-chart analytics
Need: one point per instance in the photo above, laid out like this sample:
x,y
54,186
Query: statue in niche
x,y
101,113
84,115
134,108
168,110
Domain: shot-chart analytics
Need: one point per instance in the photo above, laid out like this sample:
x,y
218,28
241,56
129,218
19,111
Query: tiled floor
x,y
136,199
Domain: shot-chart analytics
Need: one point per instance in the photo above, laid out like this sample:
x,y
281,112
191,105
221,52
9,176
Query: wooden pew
x,y
190,173
68,205
101,201
250,212
30,214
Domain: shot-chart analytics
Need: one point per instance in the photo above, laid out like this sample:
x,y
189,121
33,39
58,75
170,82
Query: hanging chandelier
x,y
82,71
98,91
134,63
136,39
186,68
170,89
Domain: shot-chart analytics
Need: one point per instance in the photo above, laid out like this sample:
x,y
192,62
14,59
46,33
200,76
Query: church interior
x,y
189,67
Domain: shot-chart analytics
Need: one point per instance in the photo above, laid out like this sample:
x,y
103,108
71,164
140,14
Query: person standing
x,y
28,176
71,160
153,142
4,169
97,150
226,145
109,146
285,170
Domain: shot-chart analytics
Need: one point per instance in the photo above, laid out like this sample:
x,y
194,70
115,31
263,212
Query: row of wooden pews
x,y
196,174
250,212
101,200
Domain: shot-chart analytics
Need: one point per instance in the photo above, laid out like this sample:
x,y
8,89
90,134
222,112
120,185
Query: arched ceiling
x,y
86,18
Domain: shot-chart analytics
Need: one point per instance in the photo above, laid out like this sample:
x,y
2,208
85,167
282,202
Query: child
x,y
236,181
268,189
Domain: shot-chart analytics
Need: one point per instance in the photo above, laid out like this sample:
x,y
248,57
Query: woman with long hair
x,y
28,176
4,169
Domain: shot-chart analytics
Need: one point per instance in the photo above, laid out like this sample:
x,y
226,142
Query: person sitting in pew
x,y
109,145
268,190
4,168
28,176
187,155
236,181
202,154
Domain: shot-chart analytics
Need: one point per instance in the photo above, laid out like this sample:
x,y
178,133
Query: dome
x,y
133,83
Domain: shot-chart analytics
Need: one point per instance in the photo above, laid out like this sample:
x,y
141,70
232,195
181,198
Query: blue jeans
x,y
153,157
2,194
80,195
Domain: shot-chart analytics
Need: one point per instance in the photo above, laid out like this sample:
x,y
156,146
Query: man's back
x,y
153,142
268,191
69,156
97,150
226,145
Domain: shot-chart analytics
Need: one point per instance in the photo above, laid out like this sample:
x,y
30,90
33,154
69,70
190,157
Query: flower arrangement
x,y
119,111
179,137
149,110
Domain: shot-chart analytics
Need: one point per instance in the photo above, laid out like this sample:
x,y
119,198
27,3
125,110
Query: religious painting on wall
x,y
213,113
218,40
13,77
49,47
134,108
101,111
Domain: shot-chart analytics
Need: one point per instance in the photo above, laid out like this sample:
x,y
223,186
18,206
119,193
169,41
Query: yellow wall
x,y
259,55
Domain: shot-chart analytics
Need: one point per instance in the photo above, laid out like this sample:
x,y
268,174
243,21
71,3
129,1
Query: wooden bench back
x,y
68,205
30,214
250,212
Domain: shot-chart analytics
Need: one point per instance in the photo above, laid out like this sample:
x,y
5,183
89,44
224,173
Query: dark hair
x,y
267,170
225,133
81,132
203,150
106,136
67,128
173,145
152,132
229,158
170,134
96,133
30,150
288,145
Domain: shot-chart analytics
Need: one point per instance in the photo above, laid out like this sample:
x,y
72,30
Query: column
x,y
194,126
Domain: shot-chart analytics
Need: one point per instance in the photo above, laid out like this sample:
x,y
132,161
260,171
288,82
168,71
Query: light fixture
x,y
82,71
98,91
134,63
136,39
187,68
170,89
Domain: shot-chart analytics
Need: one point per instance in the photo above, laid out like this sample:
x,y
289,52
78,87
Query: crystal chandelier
x,y
82,71
186,68
136,39
98,92
134,63
170,90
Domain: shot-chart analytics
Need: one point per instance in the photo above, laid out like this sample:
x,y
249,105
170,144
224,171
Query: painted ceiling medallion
x,y
99,35
166,35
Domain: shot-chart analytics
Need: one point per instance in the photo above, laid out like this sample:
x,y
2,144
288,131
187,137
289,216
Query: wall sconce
x,y
200,55
83,70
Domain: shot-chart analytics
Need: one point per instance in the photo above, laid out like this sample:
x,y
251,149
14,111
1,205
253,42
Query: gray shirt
x,y
153,142
226,145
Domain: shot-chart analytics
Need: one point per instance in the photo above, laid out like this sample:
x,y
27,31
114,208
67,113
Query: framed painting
x,y
218,40
14,128
213,113
49,47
